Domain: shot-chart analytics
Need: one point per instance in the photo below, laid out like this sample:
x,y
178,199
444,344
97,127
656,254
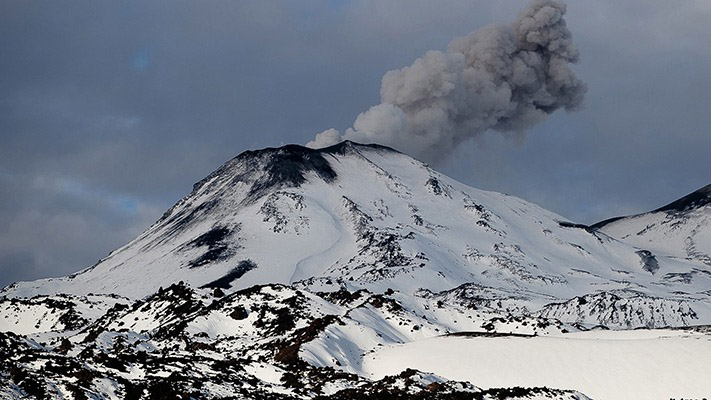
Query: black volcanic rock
x,y
286,167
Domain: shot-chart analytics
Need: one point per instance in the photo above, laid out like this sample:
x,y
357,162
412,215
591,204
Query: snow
x,y
108,388
265,372
12,392
217,324
608,365
679,234
44,314
31,320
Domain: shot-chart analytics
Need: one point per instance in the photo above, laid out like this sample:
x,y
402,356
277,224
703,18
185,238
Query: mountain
x,y
288,272
357,217
680,229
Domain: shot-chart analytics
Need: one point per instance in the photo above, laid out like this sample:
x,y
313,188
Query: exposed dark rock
x,y
235,273
287,167
566,224
211,238
216,242
649,262
239,313
179,363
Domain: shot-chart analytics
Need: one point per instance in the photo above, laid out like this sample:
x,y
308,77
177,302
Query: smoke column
x,y
505,78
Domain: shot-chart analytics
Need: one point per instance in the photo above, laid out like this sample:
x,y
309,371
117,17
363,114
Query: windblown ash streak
x,y
502,77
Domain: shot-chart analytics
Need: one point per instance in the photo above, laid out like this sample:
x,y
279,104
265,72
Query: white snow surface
x,y
684,234
42,314
605,365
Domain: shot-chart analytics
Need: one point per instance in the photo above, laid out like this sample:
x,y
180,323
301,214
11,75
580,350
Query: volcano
x,y
294,262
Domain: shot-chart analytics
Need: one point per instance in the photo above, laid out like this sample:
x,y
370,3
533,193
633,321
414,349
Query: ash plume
x,y
506,78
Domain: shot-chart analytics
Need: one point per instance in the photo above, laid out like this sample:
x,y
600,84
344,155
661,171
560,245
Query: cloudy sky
x,y
109,111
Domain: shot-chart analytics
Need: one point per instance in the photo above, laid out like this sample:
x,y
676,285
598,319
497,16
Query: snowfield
x,y
605,365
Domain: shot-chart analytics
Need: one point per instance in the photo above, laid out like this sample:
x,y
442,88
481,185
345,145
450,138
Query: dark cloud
x,y
109,111
18,265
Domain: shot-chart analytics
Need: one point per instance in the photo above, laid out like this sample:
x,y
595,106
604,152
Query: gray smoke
x,y
502,77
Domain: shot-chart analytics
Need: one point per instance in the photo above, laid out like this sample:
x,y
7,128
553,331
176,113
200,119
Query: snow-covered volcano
x,y
368,217
292,273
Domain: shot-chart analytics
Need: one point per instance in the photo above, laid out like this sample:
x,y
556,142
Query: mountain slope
x,y
681,229
367,217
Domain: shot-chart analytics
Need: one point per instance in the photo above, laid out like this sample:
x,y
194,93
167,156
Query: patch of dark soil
x,y
380,301
488,334
282,322
212,237
235,273
214,240
187,215
691,201
287,167
214,254
342,297
566,224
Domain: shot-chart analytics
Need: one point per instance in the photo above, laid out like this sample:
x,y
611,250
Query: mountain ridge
x,y
355,216
696,199
680,229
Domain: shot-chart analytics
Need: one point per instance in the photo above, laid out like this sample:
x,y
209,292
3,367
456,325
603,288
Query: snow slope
x,y
605,365
57,313
680,229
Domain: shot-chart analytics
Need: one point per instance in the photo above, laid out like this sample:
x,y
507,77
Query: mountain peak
x,y
286,165
691,201
296,150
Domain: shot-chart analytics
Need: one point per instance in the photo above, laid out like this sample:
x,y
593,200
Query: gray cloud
x,y
502,77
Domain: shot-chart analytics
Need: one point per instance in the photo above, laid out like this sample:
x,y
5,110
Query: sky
x,y
110,111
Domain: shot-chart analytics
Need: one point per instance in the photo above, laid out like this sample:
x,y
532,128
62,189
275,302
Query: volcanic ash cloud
x,y
502,77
